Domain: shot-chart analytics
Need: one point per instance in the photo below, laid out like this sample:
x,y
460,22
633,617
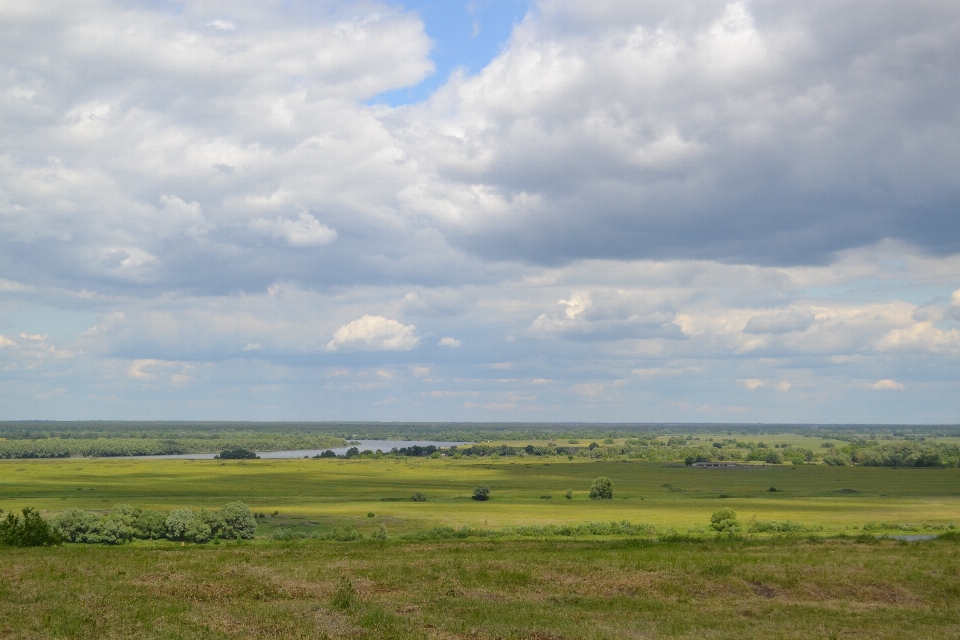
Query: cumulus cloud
x,y
374,333
448,342
614,129
305,231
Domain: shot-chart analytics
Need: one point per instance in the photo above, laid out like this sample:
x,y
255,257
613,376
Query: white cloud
x,y
374,333
6,342
36,337
305,231
252,346
421,372
448,342
887,385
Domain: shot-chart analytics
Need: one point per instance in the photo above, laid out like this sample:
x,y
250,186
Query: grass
x,y
342,492
765,587
484,589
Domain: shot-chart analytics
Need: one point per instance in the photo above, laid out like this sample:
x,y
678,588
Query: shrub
x,y
724,519
773,457
569,494
418,497
602,489
31,531
329,453
481,493
236,521
183,525
77,525
237,453
381,533
151,525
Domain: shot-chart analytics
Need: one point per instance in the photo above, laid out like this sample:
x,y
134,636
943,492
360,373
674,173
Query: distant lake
x,y
365,445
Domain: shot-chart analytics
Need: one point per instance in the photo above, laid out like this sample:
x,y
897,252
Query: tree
x,y
31,531
182,524
724,519
481,493
237,453
774,457
602,489
418,497
77,525
381,533
236,521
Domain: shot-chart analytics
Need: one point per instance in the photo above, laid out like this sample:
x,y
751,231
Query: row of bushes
x,y
124,523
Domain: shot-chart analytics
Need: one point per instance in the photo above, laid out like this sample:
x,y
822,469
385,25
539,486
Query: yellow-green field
x,y
343,492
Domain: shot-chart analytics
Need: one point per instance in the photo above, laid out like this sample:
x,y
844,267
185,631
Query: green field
x,y
681,581
335,492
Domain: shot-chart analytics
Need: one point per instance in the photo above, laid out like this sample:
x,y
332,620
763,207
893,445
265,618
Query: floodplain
x,y
535,561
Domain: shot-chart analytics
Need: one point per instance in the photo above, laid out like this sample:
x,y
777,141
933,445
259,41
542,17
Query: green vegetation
x,y
29,531
601,489
125,523
484,588
237,453
336,547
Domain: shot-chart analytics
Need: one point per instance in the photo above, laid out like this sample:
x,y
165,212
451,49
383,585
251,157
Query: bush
x,y
329,453
183,525
773,457
724,519
236,521
237,453
77,525
569,494
117,526
602,489
381,533
481,493
151,525
31,531
418,497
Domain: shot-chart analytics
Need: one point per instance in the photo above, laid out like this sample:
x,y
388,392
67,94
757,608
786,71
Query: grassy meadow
x,y
339,492
838,582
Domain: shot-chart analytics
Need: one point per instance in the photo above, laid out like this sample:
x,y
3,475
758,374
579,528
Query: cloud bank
x,y
683,210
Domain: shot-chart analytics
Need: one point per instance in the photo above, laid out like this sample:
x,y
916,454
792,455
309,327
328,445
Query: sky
x,y
555,210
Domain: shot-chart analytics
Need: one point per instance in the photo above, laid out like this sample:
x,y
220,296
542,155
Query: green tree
x,y
31,531
182,524
481,493
236,521
724,519
77,525
774,457
602,489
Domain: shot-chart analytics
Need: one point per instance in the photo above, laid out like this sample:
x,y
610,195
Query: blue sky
x,y
465,35
555,210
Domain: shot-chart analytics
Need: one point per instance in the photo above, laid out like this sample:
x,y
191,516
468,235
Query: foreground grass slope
x,y
484,589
